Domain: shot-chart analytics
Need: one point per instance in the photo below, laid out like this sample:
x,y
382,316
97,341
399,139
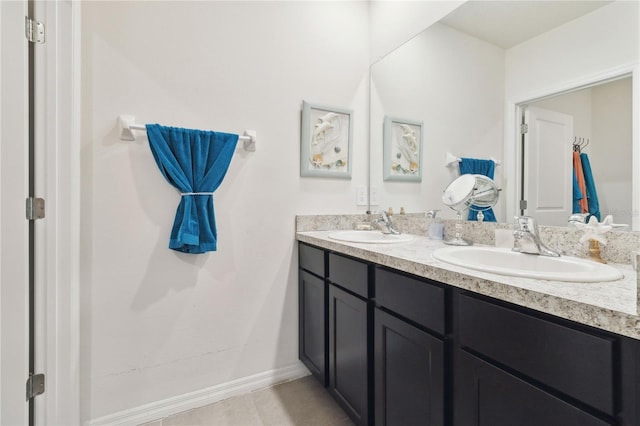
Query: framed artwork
x,y
402,144
325,142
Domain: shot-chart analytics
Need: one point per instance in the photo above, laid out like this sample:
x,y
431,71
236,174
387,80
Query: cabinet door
x,y
487,395
348,354
409,374
312,325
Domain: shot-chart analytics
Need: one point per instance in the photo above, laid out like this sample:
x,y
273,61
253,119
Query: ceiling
x,y
508,23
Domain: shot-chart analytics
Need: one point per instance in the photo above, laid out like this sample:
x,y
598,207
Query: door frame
x,y
513,149
57,140
14,228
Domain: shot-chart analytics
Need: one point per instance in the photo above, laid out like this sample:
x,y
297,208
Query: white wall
x,y
156,323
610,150
597,42
576,53
454,84
395,22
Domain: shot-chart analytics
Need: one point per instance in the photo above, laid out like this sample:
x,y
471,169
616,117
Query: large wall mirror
x,y
473,77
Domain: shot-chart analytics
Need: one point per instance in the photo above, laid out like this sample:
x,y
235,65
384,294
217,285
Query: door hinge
x,y
35,208
35,385
34,30
524,128
523,204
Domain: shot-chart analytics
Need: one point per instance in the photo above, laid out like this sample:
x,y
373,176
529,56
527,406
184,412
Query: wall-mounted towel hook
x,y
127,124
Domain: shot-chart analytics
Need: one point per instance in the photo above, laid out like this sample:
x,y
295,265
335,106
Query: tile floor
x,y
302,402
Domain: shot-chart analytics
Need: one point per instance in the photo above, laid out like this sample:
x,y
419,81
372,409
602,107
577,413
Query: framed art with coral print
x,y
325,142
402,144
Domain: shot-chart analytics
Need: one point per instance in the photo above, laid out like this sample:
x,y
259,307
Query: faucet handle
x,y
526,224
383,214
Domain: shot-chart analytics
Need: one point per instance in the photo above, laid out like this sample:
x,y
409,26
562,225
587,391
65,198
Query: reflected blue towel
x,y
577,194
479,167
194,162
592,194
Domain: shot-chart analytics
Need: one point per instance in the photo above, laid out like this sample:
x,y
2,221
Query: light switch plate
x,y
373,193
361,195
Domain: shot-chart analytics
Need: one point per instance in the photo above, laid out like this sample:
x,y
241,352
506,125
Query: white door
x,y
14,288
547,166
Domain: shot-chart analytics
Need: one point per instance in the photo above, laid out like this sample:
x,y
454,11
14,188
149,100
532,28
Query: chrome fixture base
x,y
457,241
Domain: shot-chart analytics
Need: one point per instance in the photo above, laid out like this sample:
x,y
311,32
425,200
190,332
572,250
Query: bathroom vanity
x,y
399,338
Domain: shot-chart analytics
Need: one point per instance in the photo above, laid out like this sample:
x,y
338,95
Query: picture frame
x,y
326,141
402,150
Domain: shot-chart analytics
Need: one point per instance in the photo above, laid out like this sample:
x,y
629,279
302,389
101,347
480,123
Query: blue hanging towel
x,y
577,194
479,167
194,162
592,194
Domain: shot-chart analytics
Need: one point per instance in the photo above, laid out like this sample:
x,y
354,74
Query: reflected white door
x,y
14,288
548,167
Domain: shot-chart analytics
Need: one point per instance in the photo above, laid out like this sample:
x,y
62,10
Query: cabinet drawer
x,y
576,363
411,298
350,274
311,259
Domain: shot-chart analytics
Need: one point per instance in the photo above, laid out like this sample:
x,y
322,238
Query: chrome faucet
x,y
578,218
527,240
383,223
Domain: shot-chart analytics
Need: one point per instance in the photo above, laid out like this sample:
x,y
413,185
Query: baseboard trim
x,y
160,409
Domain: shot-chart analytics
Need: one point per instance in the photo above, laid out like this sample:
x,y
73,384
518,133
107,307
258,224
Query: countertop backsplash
x,y
619,248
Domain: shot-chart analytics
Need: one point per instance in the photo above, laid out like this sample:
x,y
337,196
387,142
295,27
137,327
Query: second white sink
x,y
503,261
370,237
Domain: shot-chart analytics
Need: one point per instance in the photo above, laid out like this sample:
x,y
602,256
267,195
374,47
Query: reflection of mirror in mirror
x,y
470,191
458,192
458,84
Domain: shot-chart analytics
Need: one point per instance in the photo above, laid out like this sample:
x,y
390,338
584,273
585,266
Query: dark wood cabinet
x,y
312,311
565,359
409,374
487,395
396,349
335,327
349,318
312,294
549,370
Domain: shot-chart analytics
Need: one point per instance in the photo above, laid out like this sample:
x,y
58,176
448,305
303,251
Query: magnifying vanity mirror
x,y
475,192
471,191
471,77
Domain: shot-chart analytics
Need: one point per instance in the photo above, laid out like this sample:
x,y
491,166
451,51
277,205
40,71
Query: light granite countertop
x,y
611,306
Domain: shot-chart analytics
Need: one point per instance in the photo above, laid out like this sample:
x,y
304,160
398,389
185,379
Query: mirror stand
x,y
457,239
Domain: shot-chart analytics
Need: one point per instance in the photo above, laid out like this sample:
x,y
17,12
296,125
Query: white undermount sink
x,y
503,261
371,237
